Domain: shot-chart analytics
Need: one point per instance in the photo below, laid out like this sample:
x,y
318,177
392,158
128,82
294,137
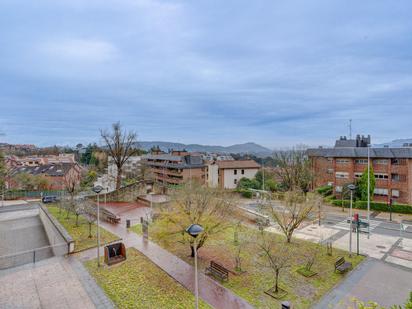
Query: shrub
x,y
246,193
396,208
324,190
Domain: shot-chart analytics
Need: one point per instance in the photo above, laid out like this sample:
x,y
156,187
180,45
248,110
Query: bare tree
x,y
293,168
90,213
241,241
273,256
295,208
196,203
71,184
120,146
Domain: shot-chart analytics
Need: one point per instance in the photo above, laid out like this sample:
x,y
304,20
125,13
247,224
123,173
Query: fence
x,y
13,195
32,256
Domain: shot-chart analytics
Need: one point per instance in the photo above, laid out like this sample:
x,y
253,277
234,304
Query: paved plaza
x,y
52,283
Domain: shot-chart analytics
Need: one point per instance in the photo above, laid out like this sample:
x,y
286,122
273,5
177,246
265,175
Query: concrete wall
x,y
61,242
213,176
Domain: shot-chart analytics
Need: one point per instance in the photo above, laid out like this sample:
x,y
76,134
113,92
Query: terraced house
x,y
346,162
176,167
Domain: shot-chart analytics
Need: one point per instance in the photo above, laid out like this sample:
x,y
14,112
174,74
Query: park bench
x,y
109,216
218,271
342,266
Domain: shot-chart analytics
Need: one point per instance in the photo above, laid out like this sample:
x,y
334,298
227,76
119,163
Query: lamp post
x,y
352,188
369,189
97,190
194,230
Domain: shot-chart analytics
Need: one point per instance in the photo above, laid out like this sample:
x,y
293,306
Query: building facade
x,y
58,176
226,174
345,163
176,167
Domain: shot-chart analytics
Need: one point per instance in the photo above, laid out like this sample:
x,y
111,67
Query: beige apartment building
x,y
226,174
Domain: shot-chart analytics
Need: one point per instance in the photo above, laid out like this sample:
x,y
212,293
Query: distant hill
x,y
246,148
397,143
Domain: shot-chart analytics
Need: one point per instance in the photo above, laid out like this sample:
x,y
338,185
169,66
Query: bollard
x,y
128,223
286,305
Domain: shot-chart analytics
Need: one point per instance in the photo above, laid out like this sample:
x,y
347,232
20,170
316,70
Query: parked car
x,y
49,199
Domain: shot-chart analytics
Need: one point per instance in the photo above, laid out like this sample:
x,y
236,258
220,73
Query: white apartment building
x,y
226,174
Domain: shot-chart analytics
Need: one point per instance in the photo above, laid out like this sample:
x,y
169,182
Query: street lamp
x,y
352,188
194,230
369,189
97,190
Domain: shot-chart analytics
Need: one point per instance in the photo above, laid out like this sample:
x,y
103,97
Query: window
x,y
380,161
342,161
342,175
381,191
398,178
235,181
398,161
361,161
381,176
330,159
358,175
235,172
338,189
243,172
395,193
330,171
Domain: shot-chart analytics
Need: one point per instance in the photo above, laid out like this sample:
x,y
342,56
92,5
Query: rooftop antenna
x,y
350,128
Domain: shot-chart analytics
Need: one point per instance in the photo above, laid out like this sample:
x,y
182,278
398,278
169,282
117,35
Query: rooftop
x,y
237,164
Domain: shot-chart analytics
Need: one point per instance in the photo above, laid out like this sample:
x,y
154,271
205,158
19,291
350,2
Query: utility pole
x,y
263,175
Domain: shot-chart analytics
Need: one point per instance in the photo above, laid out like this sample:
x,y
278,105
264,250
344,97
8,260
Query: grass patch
x,y
305,272
139,283
251,285
80,234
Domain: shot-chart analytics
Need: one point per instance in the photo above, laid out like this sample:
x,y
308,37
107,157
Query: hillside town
x,y
145,195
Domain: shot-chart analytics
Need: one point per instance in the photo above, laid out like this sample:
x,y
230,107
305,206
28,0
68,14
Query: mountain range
x,y
246,148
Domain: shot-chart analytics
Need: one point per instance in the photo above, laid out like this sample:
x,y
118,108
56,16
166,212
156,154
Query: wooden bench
x,y
342,266
218,271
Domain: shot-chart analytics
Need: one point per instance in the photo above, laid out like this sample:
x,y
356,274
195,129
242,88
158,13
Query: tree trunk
x,y
192,249
90,230
77,220
289,236
276,281
119,178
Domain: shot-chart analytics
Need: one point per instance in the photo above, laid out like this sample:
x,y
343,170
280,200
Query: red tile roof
x,y
237,164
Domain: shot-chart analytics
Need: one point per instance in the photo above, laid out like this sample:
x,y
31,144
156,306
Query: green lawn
x,y
80,233
138,283
252,284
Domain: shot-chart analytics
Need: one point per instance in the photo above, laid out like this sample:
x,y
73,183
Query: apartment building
x,y
176,167
226,174
58,176
42,160
345,163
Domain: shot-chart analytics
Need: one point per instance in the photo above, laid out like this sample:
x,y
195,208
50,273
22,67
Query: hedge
x,y
245,193
325,190
397,208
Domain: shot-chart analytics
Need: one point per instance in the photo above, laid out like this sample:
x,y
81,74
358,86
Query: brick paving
x,y
209,290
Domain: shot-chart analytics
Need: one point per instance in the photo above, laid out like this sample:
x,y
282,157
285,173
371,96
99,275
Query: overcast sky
x,y
212,72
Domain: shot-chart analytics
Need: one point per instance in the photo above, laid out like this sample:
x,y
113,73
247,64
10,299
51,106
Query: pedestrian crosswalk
x,y
344,225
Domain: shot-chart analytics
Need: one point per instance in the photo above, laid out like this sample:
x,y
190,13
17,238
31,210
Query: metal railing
x,y
32,255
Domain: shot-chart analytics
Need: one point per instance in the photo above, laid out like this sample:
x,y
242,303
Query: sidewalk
x,y
209,290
